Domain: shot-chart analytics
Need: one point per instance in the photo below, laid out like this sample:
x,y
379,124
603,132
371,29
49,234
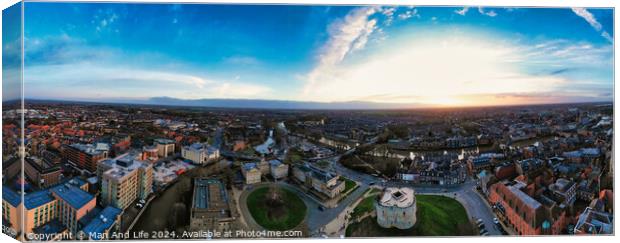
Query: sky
x,y
429,56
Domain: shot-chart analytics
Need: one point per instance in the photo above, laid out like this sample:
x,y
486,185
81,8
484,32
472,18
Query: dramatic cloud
x,y
346,35
451,70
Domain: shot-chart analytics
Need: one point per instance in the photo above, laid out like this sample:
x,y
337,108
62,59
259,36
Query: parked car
x,y
142,201
483,231
321,208
495,220
139,205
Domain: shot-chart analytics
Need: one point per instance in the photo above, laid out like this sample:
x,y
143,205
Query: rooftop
x,y
11,196
38,198
397,197
210,194
163,141
73,195
122,165
104,220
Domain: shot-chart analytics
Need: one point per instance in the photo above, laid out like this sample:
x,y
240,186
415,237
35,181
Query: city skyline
x,y
420,56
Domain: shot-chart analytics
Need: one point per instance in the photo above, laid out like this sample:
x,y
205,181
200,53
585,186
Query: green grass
x,y
295,210
436,216
348,185
366,205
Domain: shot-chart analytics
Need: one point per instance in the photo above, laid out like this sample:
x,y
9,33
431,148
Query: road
x,y
465,193
315,218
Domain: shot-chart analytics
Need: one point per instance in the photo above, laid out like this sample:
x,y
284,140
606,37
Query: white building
x,y
396,208
278,169
165,147
200,153
251,172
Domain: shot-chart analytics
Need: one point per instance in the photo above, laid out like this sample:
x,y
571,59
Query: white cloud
x,y
83,80
585,14
408,14
345,36
589,17
463,11
439,70
607,36
489,13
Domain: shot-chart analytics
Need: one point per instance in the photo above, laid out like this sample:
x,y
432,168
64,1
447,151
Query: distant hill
x,y
276,104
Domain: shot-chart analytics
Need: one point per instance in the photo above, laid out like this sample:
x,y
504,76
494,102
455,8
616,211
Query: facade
x,y
251,172
565,190
278,169
165,147
53,210
396,207
73,204
84,156
41,172
210,206
124,179
150,153
594,222
327,184
200,153
541,213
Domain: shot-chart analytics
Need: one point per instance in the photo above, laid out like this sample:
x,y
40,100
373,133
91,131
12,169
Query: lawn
x,y
436,216
348,185
366,205
295,210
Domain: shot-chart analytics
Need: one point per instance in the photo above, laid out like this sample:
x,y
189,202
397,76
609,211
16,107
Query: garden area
x,y
276,208
436,216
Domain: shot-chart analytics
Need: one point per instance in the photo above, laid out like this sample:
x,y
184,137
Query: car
x,y
483,231
371,184
321,208
142,201
485,234
478,221
481,225
139,205
495,220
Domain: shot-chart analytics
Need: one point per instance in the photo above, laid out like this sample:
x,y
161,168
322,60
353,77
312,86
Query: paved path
x,y
465,193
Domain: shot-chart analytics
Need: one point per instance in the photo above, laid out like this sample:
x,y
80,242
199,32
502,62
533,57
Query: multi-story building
x,y
565,190
522,211
200,153
165,147
396,207
327,184
251,172
104,222
278,169
150,153
529,214
54,210
124,179
84,156
41,172
594,222
210,206
72,204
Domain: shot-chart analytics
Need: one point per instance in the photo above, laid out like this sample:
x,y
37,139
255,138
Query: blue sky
x,y
451,56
